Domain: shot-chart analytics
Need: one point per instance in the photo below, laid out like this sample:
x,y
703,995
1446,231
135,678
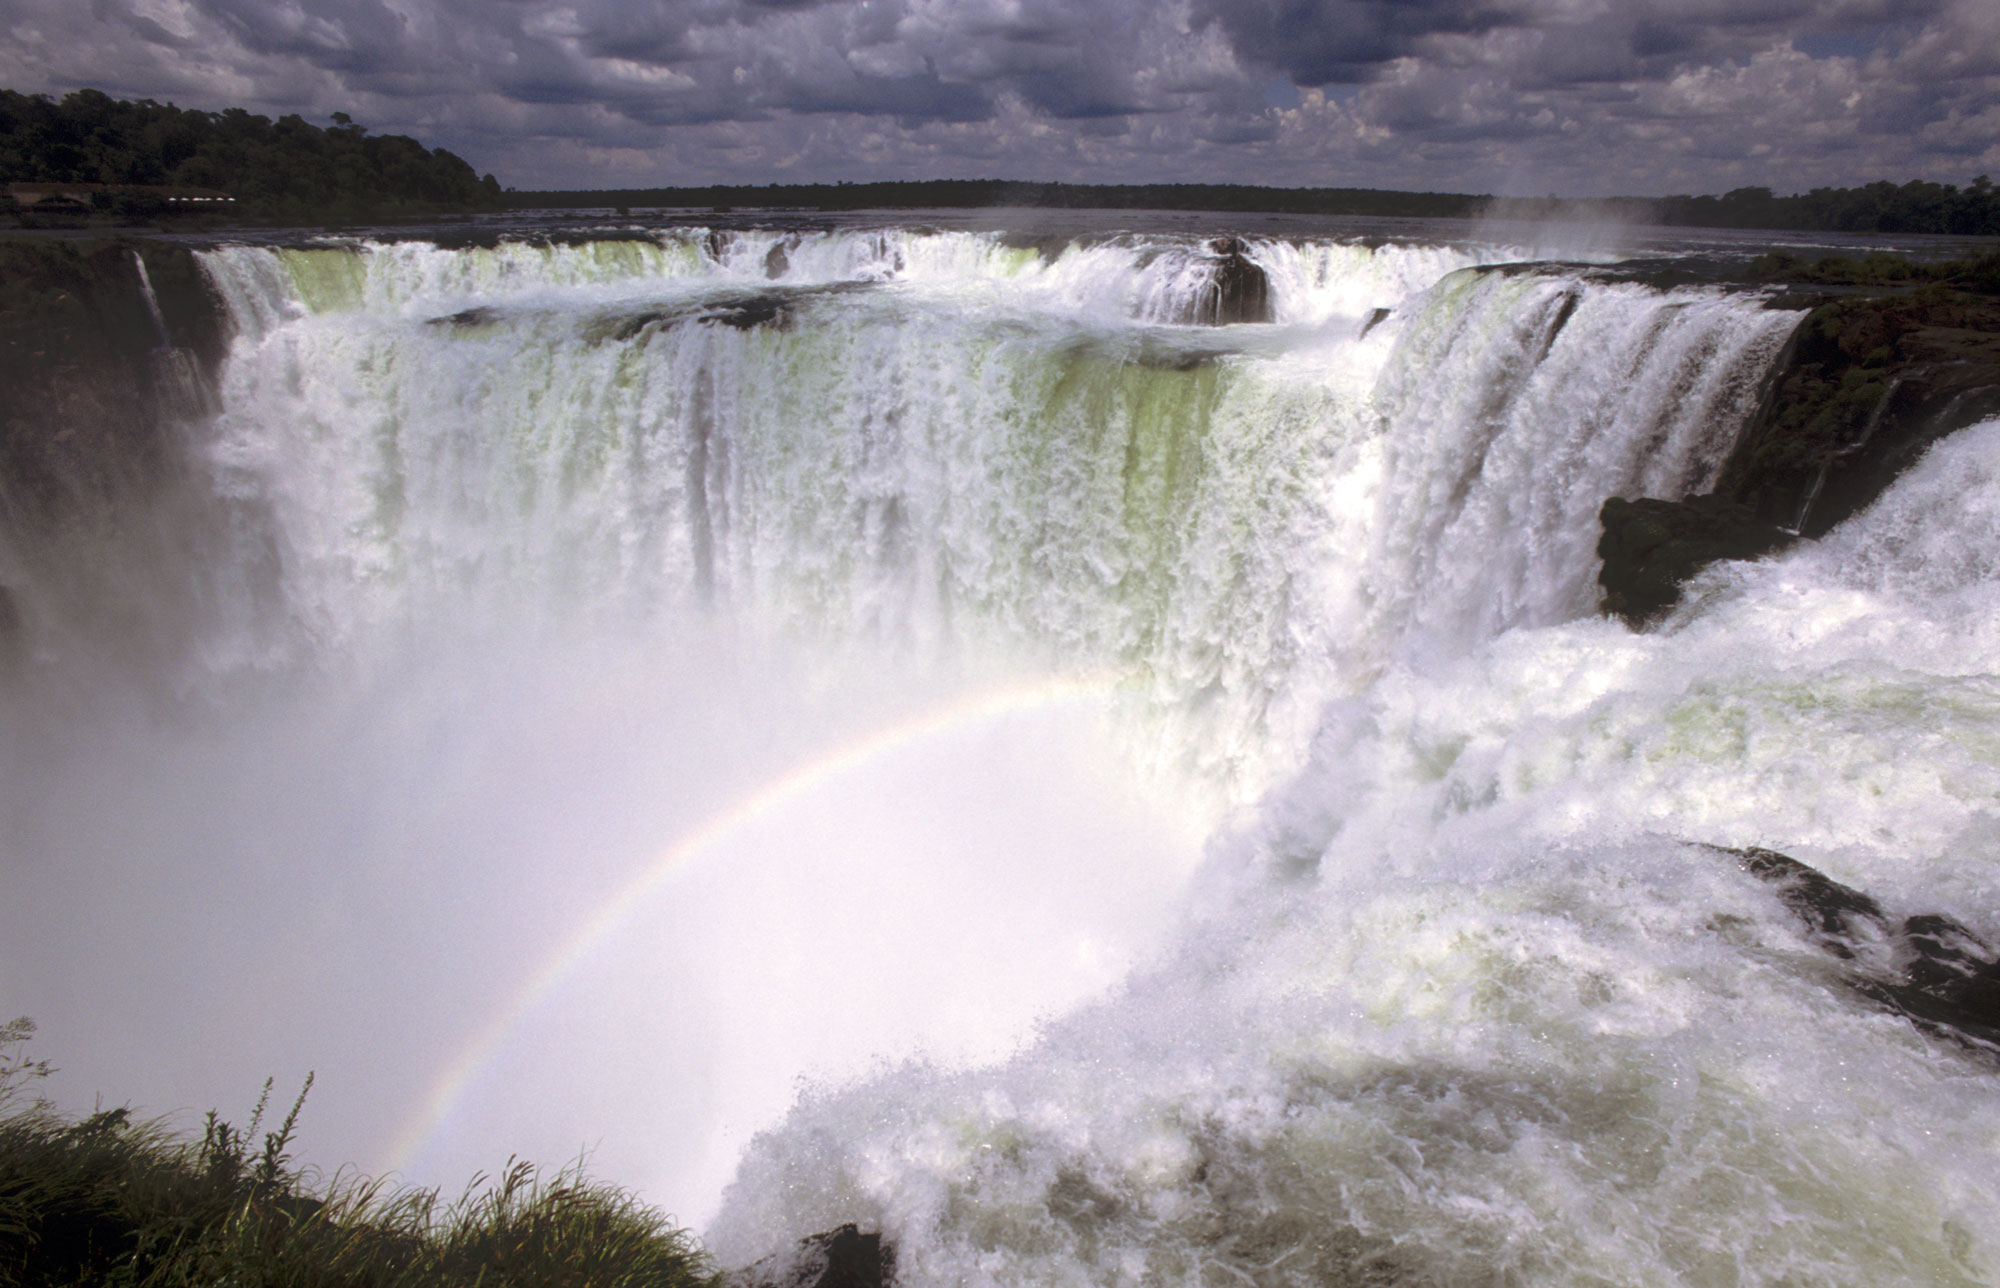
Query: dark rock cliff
x,y
1867,385
96,380
1650,547
1241,293
91,376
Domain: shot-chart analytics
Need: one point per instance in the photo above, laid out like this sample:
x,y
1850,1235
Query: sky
x,y
1520,97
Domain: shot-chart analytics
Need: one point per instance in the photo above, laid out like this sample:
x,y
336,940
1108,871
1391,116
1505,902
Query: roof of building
x,y
83,191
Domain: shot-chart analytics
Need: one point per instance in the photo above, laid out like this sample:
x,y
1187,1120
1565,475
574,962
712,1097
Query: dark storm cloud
x,y
1525,95
911,100
1321,42
341,35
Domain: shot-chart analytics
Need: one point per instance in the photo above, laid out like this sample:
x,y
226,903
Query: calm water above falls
x,y
1162,787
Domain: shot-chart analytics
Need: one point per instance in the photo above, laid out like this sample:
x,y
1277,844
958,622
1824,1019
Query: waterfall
x,y
958,441
915,723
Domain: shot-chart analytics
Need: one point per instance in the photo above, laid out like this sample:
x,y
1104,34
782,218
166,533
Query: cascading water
x,y
877,620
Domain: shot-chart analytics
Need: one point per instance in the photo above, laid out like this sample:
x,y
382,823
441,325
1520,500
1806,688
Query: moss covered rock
x,y
1868,383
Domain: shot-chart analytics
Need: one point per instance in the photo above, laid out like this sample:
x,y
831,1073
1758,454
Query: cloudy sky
x,y
1578,97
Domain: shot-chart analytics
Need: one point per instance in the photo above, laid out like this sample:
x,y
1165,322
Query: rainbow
x,y
988,705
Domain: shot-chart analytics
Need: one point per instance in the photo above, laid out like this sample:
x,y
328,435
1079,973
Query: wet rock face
x,y
1865,389
838,1258
1242,293
84,387
1650,548
1930,968
1870,385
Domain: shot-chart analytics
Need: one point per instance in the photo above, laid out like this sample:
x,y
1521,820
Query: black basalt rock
x,y
468,318
1867,386
86,401
843,1257
1651,547
1930,968
1242,292
1868,383
1838,916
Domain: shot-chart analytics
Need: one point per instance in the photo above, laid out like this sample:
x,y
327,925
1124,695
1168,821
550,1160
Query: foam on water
x,y
1463,1003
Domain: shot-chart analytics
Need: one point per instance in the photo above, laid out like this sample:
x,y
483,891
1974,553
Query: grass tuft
x,y
108,1202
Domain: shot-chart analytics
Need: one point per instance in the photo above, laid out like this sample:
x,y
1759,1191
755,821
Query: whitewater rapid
x,y
1154,800
1490,1013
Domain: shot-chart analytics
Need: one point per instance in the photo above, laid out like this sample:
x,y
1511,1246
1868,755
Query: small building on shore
x,y
81,198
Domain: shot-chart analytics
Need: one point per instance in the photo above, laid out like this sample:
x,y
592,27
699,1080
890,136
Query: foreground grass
x,y
106,1201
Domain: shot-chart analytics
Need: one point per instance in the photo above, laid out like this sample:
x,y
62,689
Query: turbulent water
x,y
1163,787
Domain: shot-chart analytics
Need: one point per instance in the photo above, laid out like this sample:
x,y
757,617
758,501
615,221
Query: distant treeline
x,y
280,171
1916,207
962,194
289,171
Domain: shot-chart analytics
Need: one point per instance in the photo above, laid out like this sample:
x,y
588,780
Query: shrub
x,y
104,1200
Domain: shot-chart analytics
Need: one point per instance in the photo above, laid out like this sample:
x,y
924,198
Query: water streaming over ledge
x,y
944,441
517,560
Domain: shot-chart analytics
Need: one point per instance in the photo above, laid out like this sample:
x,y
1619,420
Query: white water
x,y
1484,1016
517,564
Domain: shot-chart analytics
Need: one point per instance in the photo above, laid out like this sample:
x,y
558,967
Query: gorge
x,y
942,728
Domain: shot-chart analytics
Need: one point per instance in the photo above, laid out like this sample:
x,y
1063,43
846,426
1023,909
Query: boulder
x,y
1651,547
1930,968
1242,292
843,1257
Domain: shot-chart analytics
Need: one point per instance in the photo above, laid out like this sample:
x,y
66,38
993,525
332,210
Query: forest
x,y
1882,207
976,194
283,171
1915,207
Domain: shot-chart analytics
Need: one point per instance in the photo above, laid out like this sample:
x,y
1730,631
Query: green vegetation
x,y
1848,350
1876,372
289,171
109,1203
285,171
1980,273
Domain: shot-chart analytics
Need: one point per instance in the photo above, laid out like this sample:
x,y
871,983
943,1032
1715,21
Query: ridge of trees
x,y
287,170
1882,207
970,194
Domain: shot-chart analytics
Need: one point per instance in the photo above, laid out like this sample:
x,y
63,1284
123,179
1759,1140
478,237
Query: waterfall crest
x,y
943,439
